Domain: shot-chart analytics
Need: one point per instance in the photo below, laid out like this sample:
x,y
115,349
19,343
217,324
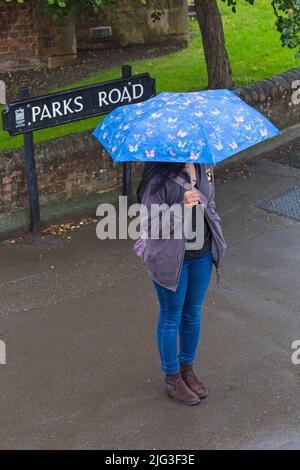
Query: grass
x,y
253,45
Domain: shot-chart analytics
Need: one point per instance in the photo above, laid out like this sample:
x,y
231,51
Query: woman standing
x,y
181,276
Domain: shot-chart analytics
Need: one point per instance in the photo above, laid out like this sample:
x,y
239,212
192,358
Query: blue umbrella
x,y
199,127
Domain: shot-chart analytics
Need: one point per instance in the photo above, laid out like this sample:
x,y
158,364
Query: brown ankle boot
x,y
175,387
190,379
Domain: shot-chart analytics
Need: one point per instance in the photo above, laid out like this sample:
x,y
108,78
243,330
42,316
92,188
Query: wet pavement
x,y
78,318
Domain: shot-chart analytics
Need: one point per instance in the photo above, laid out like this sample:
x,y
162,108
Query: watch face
x,y
209,175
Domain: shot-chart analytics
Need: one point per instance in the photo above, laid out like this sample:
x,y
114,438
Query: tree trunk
x,y
216,57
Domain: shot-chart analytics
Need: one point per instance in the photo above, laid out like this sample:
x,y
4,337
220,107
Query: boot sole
x,y
181,401
202,397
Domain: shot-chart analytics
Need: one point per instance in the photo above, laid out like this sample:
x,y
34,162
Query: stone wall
x,y
19,36
272,97
68,168
75,169
76,166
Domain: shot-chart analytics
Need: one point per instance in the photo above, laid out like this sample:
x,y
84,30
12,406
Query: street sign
x,y
50,110
32,113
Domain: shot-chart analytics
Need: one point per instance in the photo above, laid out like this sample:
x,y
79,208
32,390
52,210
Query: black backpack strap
x,y
182,182
187,186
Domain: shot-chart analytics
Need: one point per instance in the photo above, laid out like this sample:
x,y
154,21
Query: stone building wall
x,y
20,36
131,23
31,39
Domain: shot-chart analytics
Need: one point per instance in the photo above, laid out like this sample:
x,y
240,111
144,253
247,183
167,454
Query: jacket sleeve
x,y
158,218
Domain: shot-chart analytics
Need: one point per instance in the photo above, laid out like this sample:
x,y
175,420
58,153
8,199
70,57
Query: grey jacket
x,y
164,257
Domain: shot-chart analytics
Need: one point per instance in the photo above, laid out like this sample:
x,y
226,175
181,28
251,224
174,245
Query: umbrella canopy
x,y
198,127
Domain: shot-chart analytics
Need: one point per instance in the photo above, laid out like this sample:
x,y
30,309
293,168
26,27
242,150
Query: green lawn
x,y
254,48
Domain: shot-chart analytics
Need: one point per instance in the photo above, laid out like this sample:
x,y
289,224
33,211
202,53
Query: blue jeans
x,y
181,311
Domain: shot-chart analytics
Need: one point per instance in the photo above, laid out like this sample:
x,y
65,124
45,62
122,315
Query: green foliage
x,y
287,14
